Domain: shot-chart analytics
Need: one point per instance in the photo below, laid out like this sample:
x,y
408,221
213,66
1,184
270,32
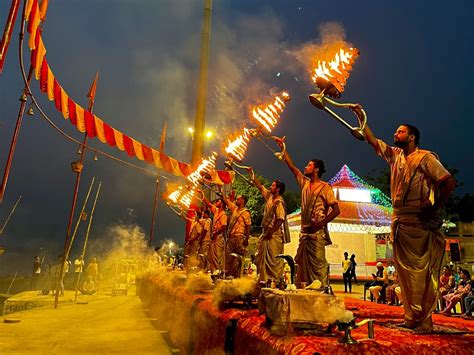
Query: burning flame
x,y
175,195
267,115
182,197
187,198
237,147
206,167
337,70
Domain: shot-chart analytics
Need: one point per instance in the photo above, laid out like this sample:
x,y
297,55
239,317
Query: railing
x,y
363,272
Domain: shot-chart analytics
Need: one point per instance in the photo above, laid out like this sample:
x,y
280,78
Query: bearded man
x,y
215,254
419,186
238,233
318,208
273,233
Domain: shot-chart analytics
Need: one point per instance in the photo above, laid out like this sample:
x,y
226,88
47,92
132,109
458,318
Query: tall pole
x,y
21,111
16,133
77,168
157,188
200,117
87,236
10,215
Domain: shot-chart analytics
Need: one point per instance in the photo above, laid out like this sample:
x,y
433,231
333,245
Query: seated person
x,y
88,287
391,289
469,302
446,283
380,280
459,293
398,293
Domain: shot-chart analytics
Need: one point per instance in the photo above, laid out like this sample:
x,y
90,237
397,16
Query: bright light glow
x,y
354,195
171,244
191,130
209,134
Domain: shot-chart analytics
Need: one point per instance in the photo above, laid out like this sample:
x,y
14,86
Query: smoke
x,y
229,290
122,245
245,55
198,282
332,36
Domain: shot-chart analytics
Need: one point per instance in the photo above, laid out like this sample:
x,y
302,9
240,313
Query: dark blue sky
x,y
415,66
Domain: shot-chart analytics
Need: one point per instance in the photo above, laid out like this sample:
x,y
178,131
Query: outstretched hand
x,y
279,141
251,173
357,108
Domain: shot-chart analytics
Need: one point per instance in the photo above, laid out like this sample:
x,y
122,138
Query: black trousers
x,y
347,276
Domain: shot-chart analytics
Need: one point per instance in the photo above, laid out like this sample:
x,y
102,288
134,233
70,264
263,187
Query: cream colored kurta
x,y
268,265
239,221
192,246
418,244
316,200
215,254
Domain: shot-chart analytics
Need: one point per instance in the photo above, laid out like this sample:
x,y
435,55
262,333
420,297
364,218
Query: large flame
x,y
237,148
182,195
267,115
174,196
187,198
337,70
206,167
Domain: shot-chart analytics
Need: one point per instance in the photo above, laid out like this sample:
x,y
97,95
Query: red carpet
x,y
197,326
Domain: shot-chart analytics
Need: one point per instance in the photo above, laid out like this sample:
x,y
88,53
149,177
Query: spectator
x,y
93,269
353,268
78,268
392,296
36,272
346,272
457,276
390,269
380,280
462,290
88,287
446,284
469,302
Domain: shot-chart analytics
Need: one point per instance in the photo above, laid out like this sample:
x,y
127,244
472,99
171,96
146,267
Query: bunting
x,y
86,121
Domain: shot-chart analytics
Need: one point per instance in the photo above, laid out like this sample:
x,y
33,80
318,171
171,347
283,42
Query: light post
x,y
209,134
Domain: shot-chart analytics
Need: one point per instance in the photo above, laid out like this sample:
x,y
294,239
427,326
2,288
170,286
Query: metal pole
x,y
16,133
153,214
74,196
68,246
9,216
200,117
19,118
87,235
73,237
157,188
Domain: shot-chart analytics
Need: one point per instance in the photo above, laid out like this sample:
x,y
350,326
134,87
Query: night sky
x,y
416,66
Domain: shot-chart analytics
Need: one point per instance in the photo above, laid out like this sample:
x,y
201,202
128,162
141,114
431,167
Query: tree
x,y
379,179
255,202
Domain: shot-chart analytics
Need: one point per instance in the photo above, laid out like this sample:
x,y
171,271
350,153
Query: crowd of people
x,y
349,271
219,244
456,286
47,278
420,186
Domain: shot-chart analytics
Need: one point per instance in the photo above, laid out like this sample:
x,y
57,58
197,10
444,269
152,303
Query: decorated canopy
x,y
363,207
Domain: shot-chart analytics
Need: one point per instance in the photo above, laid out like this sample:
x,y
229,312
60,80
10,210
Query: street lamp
x,y
209,134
